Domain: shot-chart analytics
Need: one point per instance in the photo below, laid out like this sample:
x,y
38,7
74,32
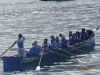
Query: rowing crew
x,y
74,39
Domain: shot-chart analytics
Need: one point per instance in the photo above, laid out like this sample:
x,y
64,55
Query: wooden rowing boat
x,y
20,63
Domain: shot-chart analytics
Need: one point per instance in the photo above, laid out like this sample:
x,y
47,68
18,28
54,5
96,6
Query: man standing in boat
x,y
20,43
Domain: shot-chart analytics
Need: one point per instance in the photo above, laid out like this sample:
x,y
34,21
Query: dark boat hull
x,y
20,63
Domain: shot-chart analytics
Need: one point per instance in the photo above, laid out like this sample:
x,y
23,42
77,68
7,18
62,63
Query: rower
x,y
62,36
90,33
35,49
64,42
84,34
56,44
20,43
52,39
78,37
71,39
46,46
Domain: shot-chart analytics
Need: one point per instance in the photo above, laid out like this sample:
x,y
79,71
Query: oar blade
x,y
38,68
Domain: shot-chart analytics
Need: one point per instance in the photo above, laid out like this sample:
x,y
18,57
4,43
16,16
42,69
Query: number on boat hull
x,y
26,60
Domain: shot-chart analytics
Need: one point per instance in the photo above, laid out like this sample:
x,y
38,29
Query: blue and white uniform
x,y
56,45
46,47
64,42
72,40
63,37
84,35
78,39
52,41
35,49
20,43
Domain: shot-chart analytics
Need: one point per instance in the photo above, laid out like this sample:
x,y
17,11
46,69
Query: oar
x,y
94,32
87,41
93,43
79,50
15,49
63,50
92,35
38,67
96,44
66,51
58,53
4,52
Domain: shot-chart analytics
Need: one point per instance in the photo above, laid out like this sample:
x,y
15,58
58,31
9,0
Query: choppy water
x,y
37,20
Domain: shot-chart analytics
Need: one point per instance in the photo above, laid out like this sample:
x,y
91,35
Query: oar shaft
x,y
80,50
87,41
4,52
41,57
94,43
66,51
63,50
93,33
58,53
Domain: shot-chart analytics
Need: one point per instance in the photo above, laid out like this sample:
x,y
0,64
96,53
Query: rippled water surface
x,y
37,20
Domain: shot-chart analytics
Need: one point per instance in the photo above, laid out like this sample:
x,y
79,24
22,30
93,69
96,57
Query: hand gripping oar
x,y
4,52
38,67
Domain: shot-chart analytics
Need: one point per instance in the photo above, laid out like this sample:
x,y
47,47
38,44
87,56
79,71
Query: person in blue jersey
x,y
63,41
62,36
20,43
52,39
84,34
46,46
56,44
78,37
35,49
72,41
